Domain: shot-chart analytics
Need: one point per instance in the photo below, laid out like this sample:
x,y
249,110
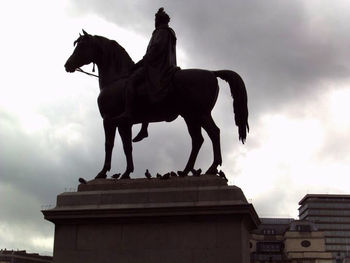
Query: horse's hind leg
x,y
125,134
109,129
194,128
214,134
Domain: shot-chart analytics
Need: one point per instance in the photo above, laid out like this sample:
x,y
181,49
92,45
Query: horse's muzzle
x,y
68,67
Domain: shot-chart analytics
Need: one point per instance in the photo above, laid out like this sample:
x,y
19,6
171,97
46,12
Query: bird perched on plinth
x,y
159,176
147,174
173,174
166,176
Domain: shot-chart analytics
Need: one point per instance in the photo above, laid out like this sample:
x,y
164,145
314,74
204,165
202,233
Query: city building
x,y
280,240
304,243
21,256
331,214
267,241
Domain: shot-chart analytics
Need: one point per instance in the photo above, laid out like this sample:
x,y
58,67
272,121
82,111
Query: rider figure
x,y
156,67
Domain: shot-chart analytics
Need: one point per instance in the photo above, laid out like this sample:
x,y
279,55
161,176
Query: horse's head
x,y
83,53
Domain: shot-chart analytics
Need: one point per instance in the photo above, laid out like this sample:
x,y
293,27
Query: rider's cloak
x,y
160,62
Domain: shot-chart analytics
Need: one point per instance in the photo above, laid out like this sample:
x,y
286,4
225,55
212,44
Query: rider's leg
x,y
143,133
129,99
130,94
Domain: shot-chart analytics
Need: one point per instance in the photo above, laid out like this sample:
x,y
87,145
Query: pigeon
x,y
116,176
173,174
166,176
147,174
159,176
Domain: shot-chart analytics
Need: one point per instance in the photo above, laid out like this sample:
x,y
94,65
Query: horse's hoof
x,y
212,171
101,176
125,176
181,173
115,176
82,181
196,172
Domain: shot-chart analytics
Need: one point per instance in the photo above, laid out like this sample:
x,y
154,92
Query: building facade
x,y
267,241
287,240
330,214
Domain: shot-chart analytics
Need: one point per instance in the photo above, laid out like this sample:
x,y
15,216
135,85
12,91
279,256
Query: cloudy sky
x,y
293,56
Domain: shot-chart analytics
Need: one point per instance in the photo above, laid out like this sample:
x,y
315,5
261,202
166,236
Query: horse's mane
x,y
113,51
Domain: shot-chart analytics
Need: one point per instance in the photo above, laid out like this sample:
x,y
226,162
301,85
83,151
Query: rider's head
x,y
162,18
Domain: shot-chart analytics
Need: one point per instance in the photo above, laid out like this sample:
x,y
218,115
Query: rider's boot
x,y
143,133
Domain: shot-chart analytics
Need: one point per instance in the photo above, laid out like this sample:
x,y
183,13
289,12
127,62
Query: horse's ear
x,y
76,41
85,32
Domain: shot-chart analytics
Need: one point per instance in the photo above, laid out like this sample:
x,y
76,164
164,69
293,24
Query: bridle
x,y
79,69
87,73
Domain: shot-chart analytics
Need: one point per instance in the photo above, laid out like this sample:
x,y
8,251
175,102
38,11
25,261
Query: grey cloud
x,y
335,147
281,53
279,50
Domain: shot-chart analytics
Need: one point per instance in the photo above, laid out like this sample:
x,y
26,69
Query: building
x,y
304,243
21,256
331,214
267,241
280,240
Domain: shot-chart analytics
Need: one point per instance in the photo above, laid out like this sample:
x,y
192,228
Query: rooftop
x,y
23,254
278,225
324,196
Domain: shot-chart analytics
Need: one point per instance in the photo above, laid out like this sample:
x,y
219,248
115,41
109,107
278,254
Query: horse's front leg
x,y
109,128
125,134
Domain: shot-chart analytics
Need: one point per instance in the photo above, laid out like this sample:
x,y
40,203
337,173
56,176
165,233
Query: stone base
x,y
191,219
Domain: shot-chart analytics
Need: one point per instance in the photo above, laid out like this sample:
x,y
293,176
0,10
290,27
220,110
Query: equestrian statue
x,y
154,90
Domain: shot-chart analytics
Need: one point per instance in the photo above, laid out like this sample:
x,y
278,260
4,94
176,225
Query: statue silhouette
x,y
191,93
156,69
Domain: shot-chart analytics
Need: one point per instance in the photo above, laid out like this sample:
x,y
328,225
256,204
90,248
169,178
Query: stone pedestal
x,y
191,219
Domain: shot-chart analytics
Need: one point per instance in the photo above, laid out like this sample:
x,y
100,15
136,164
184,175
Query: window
x,y
338,240
337,247
303,228
269,246
333,219
305,243
269,232
341,227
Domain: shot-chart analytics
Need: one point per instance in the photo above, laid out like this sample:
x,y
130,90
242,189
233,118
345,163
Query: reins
x,y
87,73
93,75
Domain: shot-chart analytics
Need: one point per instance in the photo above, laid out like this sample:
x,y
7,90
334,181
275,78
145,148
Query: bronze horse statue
x,y
193,97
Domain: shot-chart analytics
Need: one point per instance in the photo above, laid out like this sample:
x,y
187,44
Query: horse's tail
x,y
239,95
